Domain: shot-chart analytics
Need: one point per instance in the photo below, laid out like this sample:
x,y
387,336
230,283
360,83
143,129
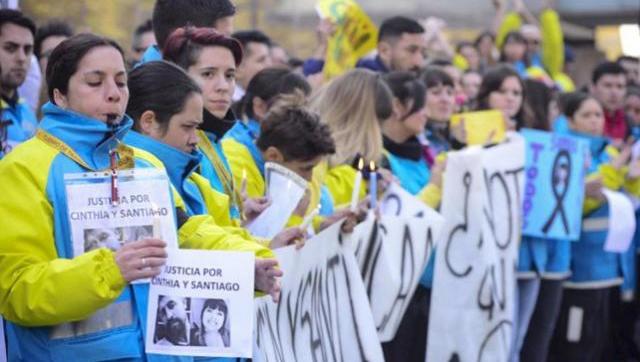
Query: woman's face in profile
x,y
212,319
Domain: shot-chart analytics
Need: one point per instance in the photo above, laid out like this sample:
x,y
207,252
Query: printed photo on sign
x,y
199,304
196,322
115,238
143,210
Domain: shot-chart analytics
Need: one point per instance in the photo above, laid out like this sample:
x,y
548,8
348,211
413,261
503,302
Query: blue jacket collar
x,y
178,164
597,144
90,138
152,53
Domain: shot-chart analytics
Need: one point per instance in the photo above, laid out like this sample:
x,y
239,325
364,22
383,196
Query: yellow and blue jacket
x,y
18,124
196,192
214,165
58,306
592,267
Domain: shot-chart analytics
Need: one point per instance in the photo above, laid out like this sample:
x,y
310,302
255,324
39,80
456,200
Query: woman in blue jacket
x,y
411,163
583,326
60,306
64,307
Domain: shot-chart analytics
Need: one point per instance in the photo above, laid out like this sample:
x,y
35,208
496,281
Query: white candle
x,y
373,185
356,187
309,218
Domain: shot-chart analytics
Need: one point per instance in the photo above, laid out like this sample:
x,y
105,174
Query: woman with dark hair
x,y
211,59
502,89
213,330
514,52
80,307
595,272
415,167
439,106
485,44
166,105
535,347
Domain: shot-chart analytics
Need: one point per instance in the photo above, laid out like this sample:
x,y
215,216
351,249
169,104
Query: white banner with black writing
x,y
392,253
323,313
201,303
472,303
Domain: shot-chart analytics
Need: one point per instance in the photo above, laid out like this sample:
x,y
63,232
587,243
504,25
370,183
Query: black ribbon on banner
x,y
560,174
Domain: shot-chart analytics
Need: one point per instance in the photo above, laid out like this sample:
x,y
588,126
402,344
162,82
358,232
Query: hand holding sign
x,y
141,259
287,237
266,277
479,126
593,188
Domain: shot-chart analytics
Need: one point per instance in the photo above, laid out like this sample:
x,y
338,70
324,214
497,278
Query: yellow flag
x,y
481,127
355,35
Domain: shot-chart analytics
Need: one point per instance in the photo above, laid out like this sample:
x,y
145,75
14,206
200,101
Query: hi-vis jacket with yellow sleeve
x,y
62,307
196,192
592,267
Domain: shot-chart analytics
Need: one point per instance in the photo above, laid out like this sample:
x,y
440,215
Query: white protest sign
x,y
473,296
145,209
399,202
323,313
392,254
201,303
285,190
622,222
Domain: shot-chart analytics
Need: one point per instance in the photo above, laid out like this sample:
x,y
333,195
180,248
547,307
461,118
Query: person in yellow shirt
x,y
61,306
353,105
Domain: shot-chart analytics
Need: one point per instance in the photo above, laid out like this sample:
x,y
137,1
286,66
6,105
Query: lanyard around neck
x,y
119,158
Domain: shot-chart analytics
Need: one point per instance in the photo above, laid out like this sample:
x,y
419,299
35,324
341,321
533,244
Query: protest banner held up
x,y
392,253
323,312
554,185
355,35
197,305
474,280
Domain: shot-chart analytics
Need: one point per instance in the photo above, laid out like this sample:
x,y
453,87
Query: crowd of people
x,y
211,106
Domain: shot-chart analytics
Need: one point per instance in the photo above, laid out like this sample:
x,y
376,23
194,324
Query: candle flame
x,y
372,166
360,164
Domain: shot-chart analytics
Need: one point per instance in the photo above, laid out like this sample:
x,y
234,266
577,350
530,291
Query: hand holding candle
x,y
373,185
356,187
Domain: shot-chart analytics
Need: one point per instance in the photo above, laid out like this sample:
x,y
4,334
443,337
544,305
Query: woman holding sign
x,y
43,285
503,89
62,305
415,166
167,131
598,268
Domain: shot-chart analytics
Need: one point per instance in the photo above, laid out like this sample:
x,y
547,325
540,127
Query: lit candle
x,y
373,185
356,187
